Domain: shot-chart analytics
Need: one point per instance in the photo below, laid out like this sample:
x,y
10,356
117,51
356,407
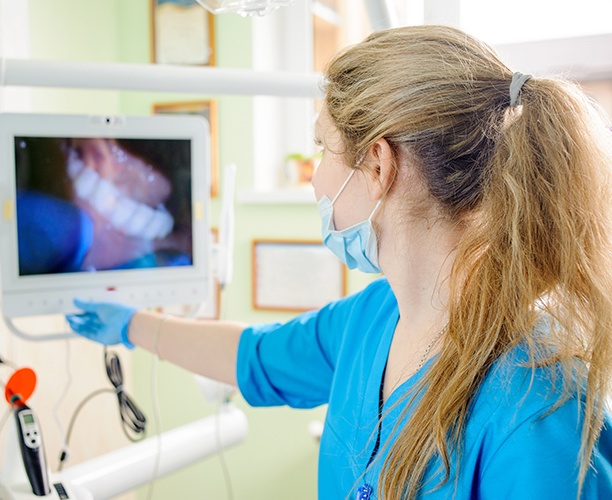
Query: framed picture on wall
x,y
295,275
182,32
207,109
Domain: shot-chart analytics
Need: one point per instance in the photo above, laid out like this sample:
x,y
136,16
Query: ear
x,y
382,169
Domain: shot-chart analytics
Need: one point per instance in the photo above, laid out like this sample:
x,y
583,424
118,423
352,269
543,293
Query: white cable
x,y
37,338
225,247
158,423
5,418
61,399
224,468
223,400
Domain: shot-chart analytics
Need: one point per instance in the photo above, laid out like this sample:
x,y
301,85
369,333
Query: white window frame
x,y
282,41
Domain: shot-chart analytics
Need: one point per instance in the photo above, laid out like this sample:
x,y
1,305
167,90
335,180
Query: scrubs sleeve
x,y
539,459
293,363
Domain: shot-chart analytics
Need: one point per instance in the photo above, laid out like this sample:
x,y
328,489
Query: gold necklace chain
x,y
366,490
425,354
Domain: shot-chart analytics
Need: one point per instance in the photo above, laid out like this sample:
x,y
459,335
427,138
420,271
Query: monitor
x,y
103,208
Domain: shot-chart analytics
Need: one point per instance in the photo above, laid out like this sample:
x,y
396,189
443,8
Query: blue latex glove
x,y
103,322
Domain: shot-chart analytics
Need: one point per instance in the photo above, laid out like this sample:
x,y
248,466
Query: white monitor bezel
x,y
54,293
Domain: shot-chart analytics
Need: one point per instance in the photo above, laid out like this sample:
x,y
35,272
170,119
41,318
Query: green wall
x,y
70,30
279,458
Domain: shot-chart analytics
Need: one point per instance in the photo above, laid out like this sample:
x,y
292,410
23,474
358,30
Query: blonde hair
x,y
531,185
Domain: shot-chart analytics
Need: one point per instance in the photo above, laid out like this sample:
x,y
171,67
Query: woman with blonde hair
x,y
479,366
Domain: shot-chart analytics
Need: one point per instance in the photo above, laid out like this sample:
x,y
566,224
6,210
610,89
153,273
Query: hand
x,y
103,322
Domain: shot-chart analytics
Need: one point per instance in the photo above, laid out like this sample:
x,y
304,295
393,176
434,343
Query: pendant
x,y
364,492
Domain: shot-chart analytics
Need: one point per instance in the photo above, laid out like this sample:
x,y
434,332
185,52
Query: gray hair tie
x,y
518,80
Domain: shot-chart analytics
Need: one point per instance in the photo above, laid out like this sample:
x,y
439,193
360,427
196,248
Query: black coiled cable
x,y
131,416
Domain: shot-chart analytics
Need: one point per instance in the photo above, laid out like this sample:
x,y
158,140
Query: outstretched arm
x,y
207,347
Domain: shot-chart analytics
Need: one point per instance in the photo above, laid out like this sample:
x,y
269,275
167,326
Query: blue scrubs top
x,y
512,449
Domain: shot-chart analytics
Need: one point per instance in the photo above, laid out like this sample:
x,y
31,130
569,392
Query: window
x,y
526,20
556,37
302,38
336,24
549,37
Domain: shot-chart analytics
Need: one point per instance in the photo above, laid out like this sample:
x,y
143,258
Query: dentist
x,y
480,364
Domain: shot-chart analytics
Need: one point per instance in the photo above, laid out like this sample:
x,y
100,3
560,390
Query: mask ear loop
x,y
359,162
375,209
343,185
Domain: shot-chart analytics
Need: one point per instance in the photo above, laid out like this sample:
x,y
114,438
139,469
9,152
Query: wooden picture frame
x,y
182,32
207,109
295,275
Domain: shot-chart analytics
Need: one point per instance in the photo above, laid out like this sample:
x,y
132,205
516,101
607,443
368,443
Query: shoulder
x,y
524,408
378,289
525,437
374,303
524,432
516,389
330,323
375,296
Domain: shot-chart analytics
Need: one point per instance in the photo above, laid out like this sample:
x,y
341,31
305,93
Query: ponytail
x,y
546,215
538,247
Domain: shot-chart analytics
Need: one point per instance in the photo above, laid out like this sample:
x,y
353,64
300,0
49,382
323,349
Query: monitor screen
x,y
103,208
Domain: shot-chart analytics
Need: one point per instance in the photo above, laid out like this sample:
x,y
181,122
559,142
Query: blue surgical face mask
x,y
356,246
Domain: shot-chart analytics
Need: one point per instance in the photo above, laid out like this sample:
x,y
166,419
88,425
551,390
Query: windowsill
x,y
293,196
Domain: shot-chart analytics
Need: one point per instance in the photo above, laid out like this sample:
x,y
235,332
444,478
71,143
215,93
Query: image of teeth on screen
x,y
103,208
93,204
